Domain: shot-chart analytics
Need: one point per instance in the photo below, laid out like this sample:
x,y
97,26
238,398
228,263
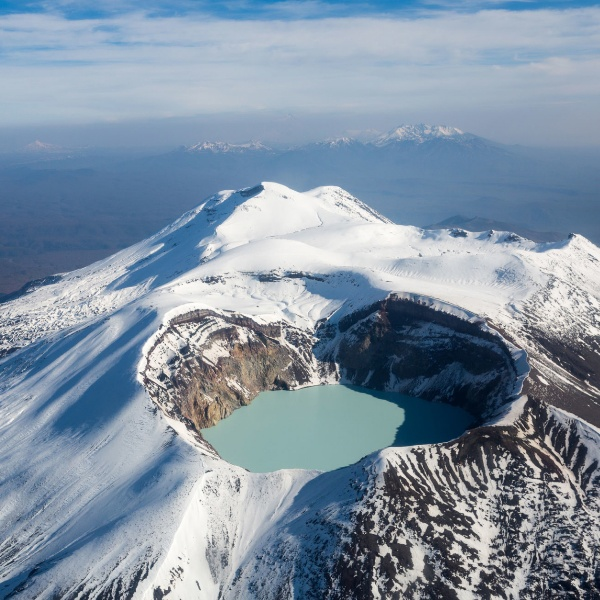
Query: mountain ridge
x,y
414,134
226,147
479,224
420,133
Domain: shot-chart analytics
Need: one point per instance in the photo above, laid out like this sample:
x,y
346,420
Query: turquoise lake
x,y
330,426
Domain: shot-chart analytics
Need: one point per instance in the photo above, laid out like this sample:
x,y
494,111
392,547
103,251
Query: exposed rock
x,y
505,511
404,346
206,364
501,512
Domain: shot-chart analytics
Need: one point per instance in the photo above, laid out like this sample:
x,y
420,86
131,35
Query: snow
x,y
225,147
92,468
418,134
42,147
510,413
340,142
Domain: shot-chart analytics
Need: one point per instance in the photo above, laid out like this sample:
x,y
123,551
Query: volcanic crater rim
x,y
203,363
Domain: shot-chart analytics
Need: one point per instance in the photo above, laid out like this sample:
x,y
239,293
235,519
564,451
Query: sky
x,y
179,71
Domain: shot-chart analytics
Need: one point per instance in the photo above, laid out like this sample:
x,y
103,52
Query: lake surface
x,y
330,426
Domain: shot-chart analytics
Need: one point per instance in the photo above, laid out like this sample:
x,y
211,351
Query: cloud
x,y
140,65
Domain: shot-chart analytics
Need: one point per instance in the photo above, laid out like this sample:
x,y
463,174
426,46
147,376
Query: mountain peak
x,y
39,146
226,147
271,209
340,142
418,133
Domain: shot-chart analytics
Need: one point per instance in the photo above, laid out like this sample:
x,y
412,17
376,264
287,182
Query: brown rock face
x,y
219,362
260,363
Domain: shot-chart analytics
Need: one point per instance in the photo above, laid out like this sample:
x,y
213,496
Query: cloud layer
x,y
137,65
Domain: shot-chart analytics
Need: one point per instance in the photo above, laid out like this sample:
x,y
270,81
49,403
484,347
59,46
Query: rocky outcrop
x,y
565,373
405,346
205,364
501,512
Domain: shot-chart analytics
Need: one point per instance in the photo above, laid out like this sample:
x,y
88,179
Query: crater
x,y
205,364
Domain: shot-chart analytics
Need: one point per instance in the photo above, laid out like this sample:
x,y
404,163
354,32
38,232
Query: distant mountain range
x,y
226,147
480,224
422,174
420,134
404,134
63,207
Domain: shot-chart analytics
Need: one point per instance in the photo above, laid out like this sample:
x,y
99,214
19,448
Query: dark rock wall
x,y
400,345
578,362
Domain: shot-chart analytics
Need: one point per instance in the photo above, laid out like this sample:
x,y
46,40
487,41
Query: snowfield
x,y
104,496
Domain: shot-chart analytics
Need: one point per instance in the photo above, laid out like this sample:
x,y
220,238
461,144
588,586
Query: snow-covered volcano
x,y
108,491
420,133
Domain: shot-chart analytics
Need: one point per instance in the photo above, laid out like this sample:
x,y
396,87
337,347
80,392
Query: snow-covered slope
x,y
226,147
109,492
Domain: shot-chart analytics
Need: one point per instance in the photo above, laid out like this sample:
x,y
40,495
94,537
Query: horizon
x,y
160,136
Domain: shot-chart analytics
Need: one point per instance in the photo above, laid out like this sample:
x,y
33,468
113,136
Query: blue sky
x,y
275,9
521,71
278,9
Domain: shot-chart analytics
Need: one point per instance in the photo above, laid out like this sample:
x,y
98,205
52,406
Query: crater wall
x,y
205,364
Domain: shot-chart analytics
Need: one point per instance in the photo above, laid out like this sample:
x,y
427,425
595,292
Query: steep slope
x,y
108,373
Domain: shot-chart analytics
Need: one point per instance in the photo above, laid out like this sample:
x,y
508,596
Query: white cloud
x,y
132,66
